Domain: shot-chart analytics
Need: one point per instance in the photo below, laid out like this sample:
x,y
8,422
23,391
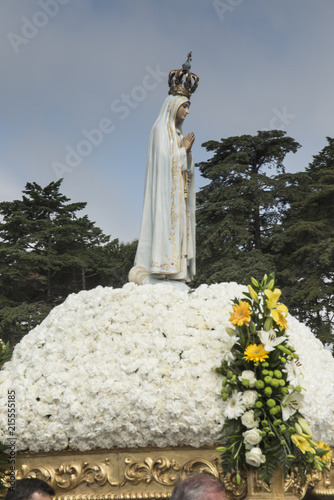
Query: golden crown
x,y
182,81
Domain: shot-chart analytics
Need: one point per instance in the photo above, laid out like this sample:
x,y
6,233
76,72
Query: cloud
x,y
264,56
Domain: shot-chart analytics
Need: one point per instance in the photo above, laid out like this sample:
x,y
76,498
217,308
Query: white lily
x,y
270,340
290,404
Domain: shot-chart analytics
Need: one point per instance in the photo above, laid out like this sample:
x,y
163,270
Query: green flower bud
x,y
271,434
274,382
271,373
281,348
238,478
282,382
255,282
268,324
271,284
273,411
265,364
259,384
229,374
258,404
264,423
224,382
233,379
229,389
298,388
271,403
253,327
224,395
267,379
256,363
277,423
291,430
267,429
282,442
219,370
263,434
245,382
283,360
318,466
268,391
299,430
282,428
284,391
292,349
265,372
295,355
278,374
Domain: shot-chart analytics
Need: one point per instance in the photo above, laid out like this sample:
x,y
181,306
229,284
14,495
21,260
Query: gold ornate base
x,y
152,473
117,474
324,483
280,488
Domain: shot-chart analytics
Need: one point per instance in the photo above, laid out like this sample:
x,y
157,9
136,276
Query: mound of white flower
x,y
135,367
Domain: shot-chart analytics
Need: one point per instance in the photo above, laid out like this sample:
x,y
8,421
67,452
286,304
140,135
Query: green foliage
x,y
238,210
252,216
46,252
306,265
17,320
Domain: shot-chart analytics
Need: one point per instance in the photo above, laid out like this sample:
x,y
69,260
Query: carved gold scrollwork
x,y
69,476
165,471
162,470
293,483
323,482
234,490
201,466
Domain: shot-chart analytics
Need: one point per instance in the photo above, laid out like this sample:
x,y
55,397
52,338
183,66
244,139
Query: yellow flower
x,y
325,458
279,315
278,311
273,297
255,353
302,443
241,314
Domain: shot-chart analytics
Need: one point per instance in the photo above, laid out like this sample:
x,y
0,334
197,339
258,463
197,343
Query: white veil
x,y
166,246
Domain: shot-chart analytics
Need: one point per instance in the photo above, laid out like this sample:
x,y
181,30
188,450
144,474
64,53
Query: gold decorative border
x,y
146,474
117,475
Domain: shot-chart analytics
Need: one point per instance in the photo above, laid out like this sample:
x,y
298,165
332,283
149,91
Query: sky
x,y
82,82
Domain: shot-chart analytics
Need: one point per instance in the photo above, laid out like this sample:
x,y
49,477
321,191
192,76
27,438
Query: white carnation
x,y
138,370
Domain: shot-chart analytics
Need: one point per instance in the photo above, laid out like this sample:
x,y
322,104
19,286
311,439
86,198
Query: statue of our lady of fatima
x,y
166,248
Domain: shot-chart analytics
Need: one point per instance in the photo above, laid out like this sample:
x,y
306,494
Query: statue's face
x,y
182,112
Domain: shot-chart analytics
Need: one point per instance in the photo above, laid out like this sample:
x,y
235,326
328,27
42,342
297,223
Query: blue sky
x,y
67,67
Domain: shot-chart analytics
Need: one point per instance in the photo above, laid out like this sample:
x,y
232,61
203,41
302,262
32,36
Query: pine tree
x,y
306,260
46,252
238,210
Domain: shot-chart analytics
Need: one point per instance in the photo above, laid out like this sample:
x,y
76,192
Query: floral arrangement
x,y
262,391
154,383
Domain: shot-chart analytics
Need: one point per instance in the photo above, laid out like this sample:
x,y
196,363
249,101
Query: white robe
x,y
166,246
